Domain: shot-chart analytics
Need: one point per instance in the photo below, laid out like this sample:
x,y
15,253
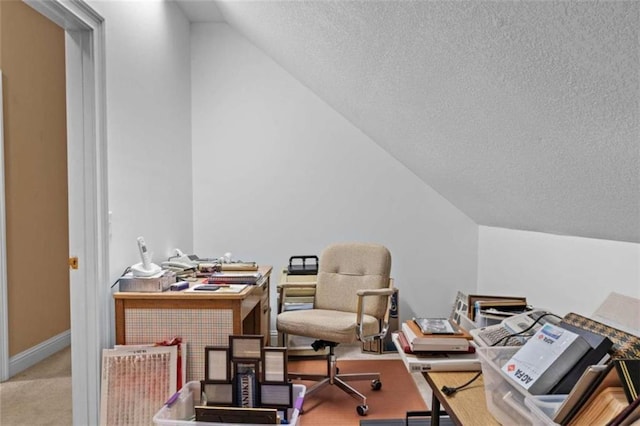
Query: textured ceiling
x,y
200,10
524,115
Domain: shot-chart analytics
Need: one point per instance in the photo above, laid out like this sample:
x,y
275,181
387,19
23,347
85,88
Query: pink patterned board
x,y
135,383
197,328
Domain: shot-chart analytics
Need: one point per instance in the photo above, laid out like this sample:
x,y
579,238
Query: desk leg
x,y
435,410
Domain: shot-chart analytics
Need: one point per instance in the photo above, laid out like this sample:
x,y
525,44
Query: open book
x,y
437,326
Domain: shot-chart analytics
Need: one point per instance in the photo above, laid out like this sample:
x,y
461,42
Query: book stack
x,y
238,266
440,345
227,278
205,267
430,335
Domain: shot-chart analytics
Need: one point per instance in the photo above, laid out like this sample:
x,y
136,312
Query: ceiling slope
x,y
524,115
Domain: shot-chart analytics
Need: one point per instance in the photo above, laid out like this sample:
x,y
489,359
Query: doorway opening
x,y
87,189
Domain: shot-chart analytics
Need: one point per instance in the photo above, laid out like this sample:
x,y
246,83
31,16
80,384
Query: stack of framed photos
x,y
245,382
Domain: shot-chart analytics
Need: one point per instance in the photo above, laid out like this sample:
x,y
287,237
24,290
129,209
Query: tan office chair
x,y
352,299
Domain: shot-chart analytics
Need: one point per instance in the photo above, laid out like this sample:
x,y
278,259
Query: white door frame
x,y
4,316
88,217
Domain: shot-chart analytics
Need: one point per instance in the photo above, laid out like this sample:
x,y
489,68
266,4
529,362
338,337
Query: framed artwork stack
x,y
245,376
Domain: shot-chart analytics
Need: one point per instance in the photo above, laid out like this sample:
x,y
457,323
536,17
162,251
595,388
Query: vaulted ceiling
x,y
523,114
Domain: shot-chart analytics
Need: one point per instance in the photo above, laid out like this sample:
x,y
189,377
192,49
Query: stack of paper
x,y
239,266
455,341
437,361
234,277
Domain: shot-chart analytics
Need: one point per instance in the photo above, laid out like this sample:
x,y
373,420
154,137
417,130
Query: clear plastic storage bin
x,y
182,410
543,408
505,399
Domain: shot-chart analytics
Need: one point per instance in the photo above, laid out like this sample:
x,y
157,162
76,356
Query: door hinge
x,y
73,262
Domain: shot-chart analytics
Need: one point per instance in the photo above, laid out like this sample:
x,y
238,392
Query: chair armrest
x,y
380,292
376,292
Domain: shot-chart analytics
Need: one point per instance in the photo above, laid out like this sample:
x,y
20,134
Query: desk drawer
x,y
265,298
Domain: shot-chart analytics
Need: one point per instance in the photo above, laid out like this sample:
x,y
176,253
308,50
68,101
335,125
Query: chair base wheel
x,y
362,409
376,385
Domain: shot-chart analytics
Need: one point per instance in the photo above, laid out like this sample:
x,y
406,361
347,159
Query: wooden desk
x,y
467,406
199,318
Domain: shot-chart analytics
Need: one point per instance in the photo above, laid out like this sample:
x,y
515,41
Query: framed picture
x,y
215,393
217,367
274,365
276,395
236,415
246,347
246,382
460,307
499,301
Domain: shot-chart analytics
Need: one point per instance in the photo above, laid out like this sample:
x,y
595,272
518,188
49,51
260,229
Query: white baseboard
x,y
39,352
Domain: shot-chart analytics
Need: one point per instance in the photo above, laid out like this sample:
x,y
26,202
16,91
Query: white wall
x,y
564,274
148,128
277,172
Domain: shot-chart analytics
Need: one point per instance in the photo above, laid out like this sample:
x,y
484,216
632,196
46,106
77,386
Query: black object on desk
x,y
207,287
303,265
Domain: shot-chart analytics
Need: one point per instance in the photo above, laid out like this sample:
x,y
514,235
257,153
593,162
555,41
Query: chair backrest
x,y
348,267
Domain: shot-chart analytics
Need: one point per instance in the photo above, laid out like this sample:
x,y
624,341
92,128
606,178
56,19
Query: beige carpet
x,y
40,395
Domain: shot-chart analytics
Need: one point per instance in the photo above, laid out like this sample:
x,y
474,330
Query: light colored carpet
x,y
41,395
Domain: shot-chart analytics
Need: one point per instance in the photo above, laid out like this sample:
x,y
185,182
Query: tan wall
x,y
32,58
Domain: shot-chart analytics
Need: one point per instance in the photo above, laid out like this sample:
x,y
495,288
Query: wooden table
x,y
467,406
199,318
